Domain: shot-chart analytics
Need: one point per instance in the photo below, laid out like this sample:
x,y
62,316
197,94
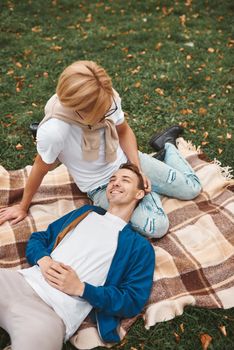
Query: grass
x,y
171,62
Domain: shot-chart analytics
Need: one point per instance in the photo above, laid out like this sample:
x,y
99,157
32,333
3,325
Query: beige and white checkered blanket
x,y
194,261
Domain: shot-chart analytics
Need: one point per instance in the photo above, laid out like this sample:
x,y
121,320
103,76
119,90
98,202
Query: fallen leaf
x,y
89,18
137,84
182,327
182,20
208,78
189,44
158,46
211,50
204,143
19,86
228,136
186,111
202,111
205,134
159,91
18,64
56,48
19,146
188,57
10,72
136,70
193,131
27,52
205,340
223,330
129,56
36,29
184,124
45,74
220,150
212,96
177,337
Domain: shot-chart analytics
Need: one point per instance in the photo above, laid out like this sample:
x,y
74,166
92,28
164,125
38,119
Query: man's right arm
x,y
18,212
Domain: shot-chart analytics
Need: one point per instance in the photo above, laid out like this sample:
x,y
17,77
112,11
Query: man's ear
x,y
140,194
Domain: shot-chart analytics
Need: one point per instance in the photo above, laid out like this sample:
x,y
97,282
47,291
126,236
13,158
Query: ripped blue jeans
x,y
173,177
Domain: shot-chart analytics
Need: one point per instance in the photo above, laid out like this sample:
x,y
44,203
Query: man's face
x,y
123,188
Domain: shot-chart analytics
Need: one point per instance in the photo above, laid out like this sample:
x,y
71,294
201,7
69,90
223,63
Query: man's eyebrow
x,y
123,176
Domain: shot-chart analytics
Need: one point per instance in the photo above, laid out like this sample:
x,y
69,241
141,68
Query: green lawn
x,y
171,62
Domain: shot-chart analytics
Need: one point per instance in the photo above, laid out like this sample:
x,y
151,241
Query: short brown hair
x,y
134,169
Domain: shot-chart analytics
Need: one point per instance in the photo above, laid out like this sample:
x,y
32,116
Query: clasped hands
x,y
61,276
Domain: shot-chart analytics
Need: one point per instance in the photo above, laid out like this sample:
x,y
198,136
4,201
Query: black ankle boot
x,y
158,141
160,155
33,128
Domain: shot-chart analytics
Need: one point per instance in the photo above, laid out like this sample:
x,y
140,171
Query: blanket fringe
x,y
226,171
193,147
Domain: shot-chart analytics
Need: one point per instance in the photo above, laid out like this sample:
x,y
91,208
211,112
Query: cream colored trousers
x,y
29,321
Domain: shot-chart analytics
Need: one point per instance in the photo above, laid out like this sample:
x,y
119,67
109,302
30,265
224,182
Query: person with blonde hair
x,y
85,129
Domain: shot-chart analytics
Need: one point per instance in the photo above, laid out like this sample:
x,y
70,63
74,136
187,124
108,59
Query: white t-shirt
x,y
57,139
89,250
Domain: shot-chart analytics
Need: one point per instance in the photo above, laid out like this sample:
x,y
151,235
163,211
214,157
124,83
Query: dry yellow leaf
x,y
137,84
19,146
211,50
229,136
89,18
56,48
10,72
36,29
159,91
205,340
177,337
19,86
182,20
202,111
223,330
18,64
158,46
220,150
205,134
182,327
186,111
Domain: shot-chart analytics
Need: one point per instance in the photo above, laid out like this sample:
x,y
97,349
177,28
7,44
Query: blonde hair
x,y
86,87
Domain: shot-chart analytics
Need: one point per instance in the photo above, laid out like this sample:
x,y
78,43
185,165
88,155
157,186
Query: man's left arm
x,y
128,143
128,298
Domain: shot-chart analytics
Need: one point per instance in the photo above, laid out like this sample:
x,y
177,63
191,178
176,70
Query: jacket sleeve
x,y
129,297
41,243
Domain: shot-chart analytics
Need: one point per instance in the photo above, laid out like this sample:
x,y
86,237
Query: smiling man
x,y
90,260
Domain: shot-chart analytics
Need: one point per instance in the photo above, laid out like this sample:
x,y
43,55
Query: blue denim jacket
x,y
129,280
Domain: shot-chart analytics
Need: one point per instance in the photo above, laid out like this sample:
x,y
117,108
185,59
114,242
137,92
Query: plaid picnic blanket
x,y
194,261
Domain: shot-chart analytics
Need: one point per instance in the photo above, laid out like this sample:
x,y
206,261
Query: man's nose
x,y
116,182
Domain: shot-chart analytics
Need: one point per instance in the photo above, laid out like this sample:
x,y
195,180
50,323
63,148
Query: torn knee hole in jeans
x,y
171,176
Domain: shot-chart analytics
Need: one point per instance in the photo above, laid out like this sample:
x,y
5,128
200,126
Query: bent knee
x,y
154,227
161,228
192,193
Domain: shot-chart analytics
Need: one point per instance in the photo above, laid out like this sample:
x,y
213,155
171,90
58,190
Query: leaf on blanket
x,y
205,340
